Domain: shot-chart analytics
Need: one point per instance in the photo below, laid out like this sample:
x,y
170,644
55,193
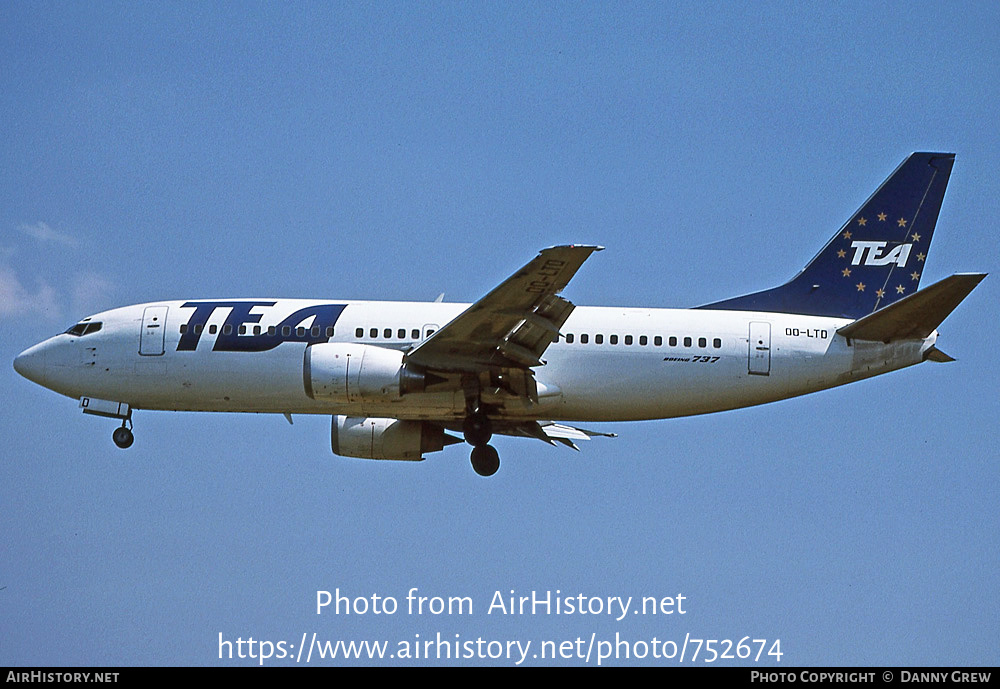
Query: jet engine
x,y
368,438
344,373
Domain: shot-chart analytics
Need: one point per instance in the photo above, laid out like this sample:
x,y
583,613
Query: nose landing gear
x,y
123,434
110,409
478,430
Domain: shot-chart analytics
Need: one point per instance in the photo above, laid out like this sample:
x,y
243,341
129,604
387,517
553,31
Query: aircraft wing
x,y
511,326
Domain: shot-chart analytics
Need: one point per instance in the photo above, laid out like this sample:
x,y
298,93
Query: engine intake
x,y
344,373
372,438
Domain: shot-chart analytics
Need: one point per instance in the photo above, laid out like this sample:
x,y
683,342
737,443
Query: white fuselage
x,y
609,364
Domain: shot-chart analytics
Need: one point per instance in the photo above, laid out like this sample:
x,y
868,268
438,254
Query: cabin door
x,y
759,357
154,323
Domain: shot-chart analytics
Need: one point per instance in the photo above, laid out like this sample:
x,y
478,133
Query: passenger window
x,y
387,333
643,340
256,330
271,330
212,329
286,330
628,340
613,339
702,342
314,331
329,331
197,329
717,343
360,332
184,328
430,332
243,330
401,333
300,331
673,341
584,338
687,341
598,339
414,334
227,329
373,332
658,340
569,338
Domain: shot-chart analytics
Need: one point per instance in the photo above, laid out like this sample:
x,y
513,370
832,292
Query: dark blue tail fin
x,y
876,258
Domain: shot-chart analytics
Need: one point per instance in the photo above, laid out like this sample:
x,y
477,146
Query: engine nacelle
x,y
367,438
343,373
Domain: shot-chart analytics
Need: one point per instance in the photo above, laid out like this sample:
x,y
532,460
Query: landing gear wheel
x,y
478,429
485,460
123,437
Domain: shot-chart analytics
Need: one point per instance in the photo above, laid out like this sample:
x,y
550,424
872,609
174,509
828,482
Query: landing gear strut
x,y
478,430
123,434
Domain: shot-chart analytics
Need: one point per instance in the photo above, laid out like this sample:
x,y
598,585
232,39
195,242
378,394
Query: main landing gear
x,y
123,434
478,430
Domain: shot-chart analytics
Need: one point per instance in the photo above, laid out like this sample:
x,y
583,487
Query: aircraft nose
x,y
31,364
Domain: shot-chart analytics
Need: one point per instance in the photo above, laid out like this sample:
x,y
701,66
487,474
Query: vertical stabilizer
x,y
876,258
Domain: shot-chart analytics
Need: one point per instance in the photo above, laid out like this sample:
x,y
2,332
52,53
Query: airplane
x,y
399,379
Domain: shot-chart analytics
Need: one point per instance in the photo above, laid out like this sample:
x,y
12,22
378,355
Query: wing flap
x,y
537,329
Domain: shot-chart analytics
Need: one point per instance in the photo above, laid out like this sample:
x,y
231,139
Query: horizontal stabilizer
x,y
915,316
554,432
558,430
935,354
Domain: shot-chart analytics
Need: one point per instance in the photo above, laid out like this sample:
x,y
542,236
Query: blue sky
x,y
399,150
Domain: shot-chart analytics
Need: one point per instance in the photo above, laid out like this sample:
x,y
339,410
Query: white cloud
x,y
44,282
43,233
17,300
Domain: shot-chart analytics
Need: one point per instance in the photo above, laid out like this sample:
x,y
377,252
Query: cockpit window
x,y
84,328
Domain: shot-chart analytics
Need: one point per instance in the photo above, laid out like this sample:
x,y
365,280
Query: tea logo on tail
x,y
870,252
